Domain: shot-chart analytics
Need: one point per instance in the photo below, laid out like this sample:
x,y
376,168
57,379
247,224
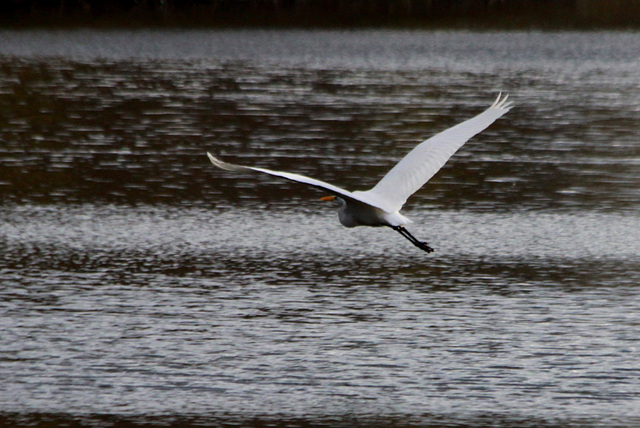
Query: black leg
x,y
423,245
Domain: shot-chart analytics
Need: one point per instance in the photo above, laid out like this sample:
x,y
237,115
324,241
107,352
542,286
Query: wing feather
x,y
426,159
330,188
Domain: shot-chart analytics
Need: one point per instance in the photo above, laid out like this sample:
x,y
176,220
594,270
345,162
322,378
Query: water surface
x,y
141,284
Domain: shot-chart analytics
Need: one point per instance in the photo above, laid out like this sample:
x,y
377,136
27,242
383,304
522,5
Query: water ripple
x,y
142,286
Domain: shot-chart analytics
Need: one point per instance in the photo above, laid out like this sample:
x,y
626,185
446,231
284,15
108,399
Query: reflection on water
x,y
138,281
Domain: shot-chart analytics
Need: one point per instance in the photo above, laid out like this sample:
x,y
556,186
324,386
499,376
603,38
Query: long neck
x,y
345,217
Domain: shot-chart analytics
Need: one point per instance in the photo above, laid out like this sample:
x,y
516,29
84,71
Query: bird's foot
x,y
424,245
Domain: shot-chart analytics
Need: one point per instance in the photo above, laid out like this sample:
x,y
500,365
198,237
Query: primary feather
x,y
298,178
426,159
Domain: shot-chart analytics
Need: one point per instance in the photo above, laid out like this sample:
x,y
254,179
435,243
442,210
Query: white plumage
x,y
380,205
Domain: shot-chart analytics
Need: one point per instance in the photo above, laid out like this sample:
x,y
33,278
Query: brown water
x,y
138,283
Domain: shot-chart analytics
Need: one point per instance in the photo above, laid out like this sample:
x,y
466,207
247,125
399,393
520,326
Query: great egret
x,y
380,206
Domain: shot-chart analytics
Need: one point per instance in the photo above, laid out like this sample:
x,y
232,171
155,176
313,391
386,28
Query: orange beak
x,y
328,198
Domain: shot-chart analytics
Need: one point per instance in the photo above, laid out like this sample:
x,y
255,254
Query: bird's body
x,y
355,213
380,206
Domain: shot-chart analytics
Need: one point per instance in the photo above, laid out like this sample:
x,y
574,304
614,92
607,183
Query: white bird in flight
x,y
380,205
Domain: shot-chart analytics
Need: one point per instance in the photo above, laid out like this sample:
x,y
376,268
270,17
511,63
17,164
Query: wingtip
x,y
501,102
217,162
225,165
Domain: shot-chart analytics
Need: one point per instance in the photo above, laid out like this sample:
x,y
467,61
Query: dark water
x,y
140,284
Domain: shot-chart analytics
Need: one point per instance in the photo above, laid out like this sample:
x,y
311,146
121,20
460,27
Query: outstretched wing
x,y
421,163
330,188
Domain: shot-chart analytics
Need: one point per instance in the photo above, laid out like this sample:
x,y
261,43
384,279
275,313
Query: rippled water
x,y
141,284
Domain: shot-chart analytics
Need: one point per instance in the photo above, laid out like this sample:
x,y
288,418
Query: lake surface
x,y
139,284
